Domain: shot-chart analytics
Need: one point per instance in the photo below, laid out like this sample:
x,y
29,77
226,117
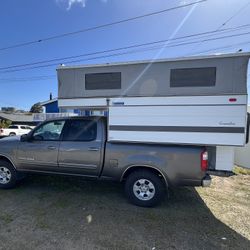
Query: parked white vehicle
x,y
13,130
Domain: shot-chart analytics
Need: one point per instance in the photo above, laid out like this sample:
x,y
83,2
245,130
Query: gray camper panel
x,y
203,76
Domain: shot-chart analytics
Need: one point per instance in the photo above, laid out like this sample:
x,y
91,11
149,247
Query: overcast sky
x,y
33,20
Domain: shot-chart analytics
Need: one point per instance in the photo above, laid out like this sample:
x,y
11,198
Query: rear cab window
x,y
80,130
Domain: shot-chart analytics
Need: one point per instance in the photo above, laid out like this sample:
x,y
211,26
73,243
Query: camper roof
x,y
247,54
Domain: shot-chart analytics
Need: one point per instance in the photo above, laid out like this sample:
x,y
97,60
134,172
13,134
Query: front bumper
x,y
207,180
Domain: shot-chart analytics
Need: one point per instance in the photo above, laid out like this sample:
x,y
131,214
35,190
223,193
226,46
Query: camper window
x,y
99,81
193,77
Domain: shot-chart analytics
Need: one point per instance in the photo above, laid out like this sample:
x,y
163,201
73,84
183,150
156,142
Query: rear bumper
x,y
206,182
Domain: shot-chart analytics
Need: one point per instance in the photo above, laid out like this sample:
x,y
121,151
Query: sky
x,y
33,20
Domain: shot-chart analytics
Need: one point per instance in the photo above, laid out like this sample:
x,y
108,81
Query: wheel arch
x,y
6,158
153,169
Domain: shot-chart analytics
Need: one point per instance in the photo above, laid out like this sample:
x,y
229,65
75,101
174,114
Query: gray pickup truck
x,y
78,147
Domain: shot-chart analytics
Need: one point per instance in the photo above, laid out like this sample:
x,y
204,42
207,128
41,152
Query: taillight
x,y
204,160
1,131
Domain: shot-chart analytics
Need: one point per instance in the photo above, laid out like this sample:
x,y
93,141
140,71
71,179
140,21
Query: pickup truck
x,y
13,130
77,146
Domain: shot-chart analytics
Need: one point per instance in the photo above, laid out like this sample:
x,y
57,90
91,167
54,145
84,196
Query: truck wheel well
x,y
151,169
3,158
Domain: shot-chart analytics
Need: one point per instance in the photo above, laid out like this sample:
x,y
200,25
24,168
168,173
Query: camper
x,y
183,101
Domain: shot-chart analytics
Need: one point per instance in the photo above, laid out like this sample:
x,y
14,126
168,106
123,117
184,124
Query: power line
x,y
124,53
154,48
222,47
142,50
234,15
221,31
214,32
100,26
230,18
111,55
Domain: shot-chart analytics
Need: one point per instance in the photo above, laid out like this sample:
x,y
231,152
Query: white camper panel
x,y
207,120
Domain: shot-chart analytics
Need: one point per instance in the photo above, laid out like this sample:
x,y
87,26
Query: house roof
x,y
17,117
48,102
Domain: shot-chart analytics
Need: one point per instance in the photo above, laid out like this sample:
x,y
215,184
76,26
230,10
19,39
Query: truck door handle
x,y
51,147
93,149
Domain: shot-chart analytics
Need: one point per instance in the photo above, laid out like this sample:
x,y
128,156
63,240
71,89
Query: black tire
x,y
12,134
149,178
11,182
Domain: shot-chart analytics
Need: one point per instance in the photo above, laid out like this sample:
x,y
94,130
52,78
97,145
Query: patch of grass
x,y
240,170
39,212
61,203
41,224
6,218
43,196
152,216
40,219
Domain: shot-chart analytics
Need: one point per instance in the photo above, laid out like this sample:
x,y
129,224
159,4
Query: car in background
x,y
14,130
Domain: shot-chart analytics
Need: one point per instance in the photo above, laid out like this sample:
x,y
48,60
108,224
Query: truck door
x,y
81,148
41,151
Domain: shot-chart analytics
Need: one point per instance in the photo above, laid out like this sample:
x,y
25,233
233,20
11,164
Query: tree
x,y
36,108
4,123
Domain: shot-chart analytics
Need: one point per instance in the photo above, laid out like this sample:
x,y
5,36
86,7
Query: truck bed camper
x,y
185,101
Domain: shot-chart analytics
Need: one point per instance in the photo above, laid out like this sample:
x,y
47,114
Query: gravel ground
x,y
46,212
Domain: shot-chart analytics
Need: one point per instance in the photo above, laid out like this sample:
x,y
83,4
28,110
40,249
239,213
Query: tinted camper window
x,y
193,77
103,81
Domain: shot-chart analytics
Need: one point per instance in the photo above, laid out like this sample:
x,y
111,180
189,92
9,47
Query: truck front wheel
x,y
8,175
144,188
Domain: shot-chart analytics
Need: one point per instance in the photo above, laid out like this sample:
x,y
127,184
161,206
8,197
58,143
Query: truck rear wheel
x,y
12,134
8,175
144,188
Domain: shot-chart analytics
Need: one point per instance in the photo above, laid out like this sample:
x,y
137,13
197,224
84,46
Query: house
x,y
19,118
8,109
51,107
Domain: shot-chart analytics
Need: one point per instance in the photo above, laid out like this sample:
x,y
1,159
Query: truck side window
x,y
50,131
80,130
13,127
